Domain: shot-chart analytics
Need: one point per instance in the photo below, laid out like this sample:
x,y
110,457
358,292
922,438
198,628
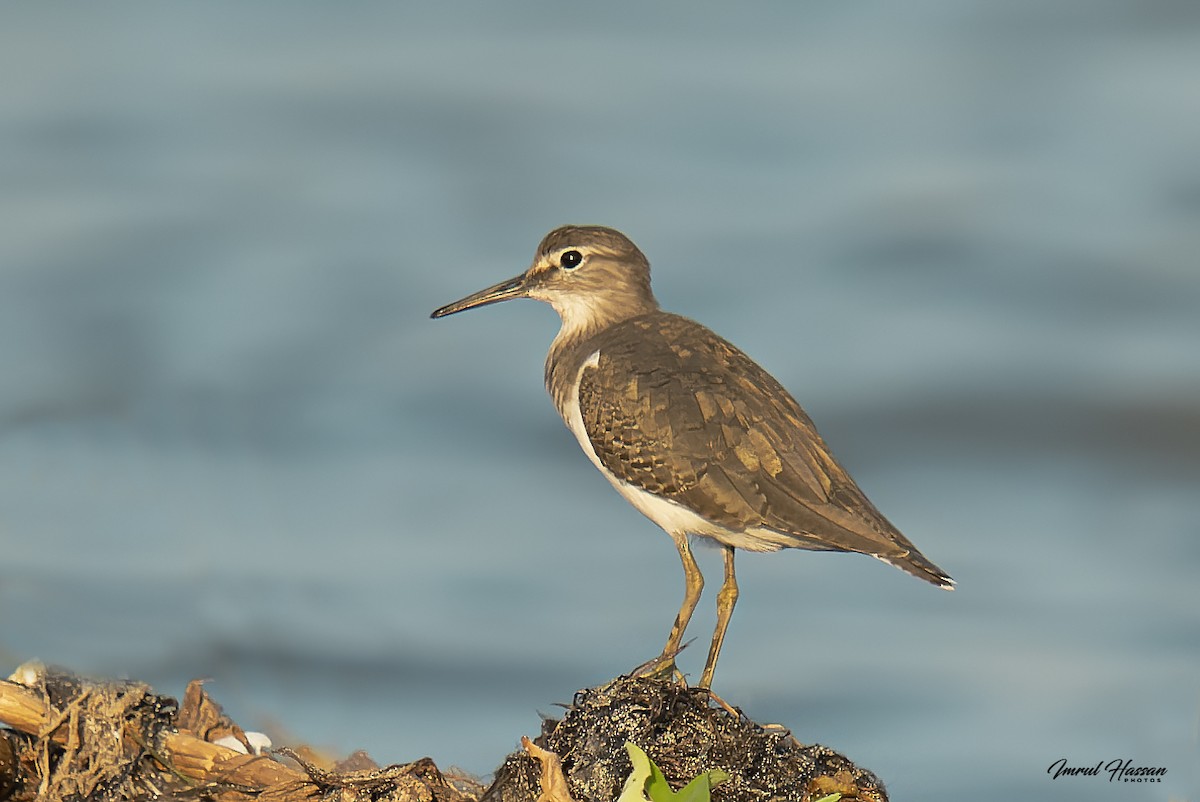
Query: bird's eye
x,y
570,260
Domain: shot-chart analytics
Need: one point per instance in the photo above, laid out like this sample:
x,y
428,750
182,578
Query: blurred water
x,y
964,234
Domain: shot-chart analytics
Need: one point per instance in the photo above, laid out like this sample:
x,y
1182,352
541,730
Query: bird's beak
x,y
513,288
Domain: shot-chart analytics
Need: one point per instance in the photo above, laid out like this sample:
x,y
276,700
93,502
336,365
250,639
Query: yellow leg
x,y
694,585
726,599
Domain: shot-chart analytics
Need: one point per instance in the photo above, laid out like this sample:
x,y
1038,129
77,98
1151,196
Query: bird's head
x,y
593,276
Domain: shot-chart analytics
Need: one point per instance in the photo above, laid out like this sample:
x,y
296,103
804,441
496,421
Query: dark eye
x,y
570,260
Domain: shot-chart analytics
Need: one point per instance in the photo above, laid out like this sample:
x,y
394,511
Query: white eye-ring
x,y
570,260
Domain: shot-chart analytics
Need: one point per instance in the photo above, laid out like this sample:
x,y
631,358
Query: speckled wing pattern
x,y
686,416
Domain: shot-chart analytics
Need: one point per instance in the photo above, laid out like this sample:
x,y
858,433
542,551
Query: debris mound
x,y
67,739
72,739
685,731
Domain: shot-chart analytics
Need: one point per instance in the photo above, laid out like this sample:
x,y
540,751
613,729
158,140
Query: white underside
x,y
672,517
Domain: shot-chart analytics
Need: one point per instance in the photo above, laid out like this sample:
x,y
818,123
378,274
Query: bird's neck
x,y
583,316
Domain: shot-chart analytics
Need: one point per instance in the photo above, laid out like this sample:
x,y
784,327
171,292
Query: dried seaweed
x,y
71,738
685,734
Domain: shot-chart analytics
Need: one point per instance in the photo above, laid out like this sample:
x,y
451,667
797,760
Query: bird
x,y
688,428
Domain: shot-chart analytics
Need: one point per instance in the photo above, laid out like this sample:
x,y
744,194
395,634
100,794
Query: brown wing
x,y
698,422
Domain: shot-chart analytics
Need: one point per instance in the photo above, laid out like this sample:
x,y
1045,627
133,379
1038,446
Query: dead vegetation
x,y
64,738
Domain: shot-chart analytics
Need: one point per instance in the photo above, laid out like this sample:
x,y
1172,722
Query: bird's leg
x,y
693,585
726,599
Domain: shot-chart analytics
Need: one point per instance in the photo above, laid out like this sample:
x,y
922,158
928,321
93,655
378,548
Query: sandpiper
x,y
690,430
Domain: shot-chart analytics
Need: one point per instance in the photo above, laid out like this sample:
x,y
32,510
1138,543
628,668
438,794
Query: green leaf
x,y
834,797
634,789
646,782
698,789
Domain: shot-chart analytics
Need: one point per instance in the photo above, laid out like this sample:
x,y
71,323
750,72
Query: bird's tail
x,y
915,563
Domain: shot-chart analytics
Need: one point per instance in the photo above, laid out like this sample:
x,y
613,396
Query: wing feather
x,y
696,421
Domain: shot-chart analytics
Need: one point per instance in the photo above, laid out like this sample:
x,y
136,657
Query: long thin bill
x,y
513,288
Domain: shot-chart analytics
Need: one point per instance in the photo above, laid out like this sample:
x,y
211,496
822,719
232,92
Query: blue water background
x,y
966,235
